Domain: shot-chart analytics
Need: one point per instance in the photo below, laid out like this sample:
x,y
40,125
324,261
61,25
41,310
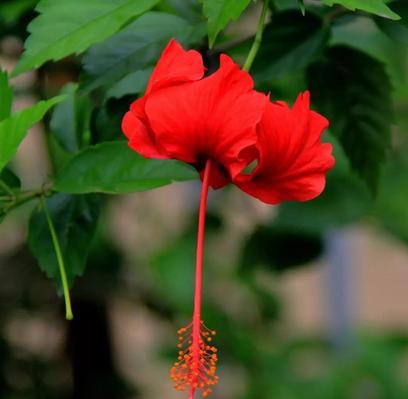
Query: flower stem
x,y
199,268
258,38
60,260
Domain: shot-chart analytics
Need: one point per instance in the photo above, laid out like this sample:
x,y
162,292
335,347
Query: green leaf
x,y
71,118
132,49
290,43
396,30
8,177
268,246
219,13
11,11
114,168
302,7
134,83
75,219
6,96
67,27
14,129
377,7
353,90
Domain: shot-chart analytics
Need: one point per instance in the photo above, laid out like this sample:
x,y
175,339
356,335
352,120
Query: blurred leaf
x,y
67,27
191,10
133,48
354,92
75,219
290,42
280,249
344,200
377,7
6,96
392,206
14,129
70,119
134,83
302,7
219,13
114,168
8,177
396,30
12,10
173,268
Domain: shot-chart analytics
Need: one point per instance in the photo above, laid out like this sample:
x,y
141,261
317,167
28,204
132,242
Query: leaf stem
x,y
8,190
258,38
60,260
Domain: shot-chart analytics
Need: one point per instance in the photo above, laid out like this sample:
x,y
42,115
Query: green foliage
x,y
290,42
75,219
14,128
67,27
133,83
353,91
6,96
268,246
219,13
397,30
11,10
144,39
378,7
70,119
113,168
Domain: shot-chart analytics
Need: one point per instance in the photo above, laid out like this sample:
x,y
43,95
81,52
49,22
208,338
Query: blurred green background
x,y
309,300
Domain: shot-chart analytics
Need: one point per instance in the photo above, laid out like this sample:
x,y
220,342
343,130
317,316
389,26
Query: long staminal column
x,y
196,363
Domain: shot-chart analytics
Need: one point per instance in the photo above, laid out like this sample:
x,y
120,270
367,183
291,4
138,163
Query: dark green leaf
x,y
280,249
219,13
70,119
6,96
11,11
75,219
397,30
8,177
377,7
290,42
67,27
134,83
114,168
353,90
134,48
14,129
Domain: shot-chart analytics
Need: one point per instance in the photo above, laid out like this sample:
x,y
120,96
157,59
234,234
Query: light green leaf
x,y
67,27
219,13
377,7
6,96
133,48
71,118
14,129
113,168
75,221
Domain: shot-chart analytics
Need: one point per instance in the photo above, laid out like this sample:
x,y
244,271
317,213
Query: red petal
x,y
293,161
136,129
215,117
176,66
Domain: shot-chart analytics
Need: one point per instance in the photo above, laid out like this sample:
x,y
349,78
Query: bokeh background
x,y
309,301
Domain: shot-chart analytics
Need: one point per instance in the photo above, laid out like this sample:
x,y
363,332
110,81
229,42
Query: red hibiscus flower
x,y
292,161
190,118
221,125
